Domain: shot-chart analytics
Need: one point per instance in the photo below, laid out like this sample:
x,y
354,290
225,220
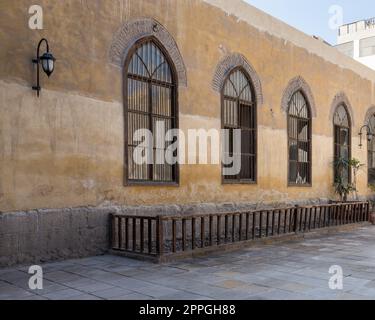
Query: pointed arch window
x,y
299,140
239,112
150,100
371,153
342,144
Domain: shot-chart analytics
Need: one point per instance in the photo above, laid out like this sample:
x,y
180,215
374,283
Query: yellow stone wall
x,y
67,148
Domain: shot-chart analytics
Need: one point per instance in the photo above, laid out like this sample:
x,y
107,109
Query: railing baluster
x,y
183,234
157,235
134,234
295,217
226,228
278,221
119,232
273,222
305,225
240,227
174,235
301,219
310,217
357,213
260,223
161,236
193,233
267,222
352,208
348,216
114,232
285,220
368,218
343,213
142,235
127,234
329,216
247,225
218,230
203,236
253,226
315,217
149,236
290,220
233,228
210,230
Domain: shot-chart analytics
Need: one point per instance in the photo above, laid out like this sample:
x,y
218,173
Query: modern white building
x,y
357,40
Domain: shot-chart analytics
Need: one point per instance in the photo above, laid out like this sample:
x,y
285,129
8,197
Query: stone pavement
x,y
292,270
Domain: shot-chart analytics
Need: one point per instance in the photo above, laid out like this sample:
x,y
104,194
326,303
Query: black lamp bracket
x,y
369,134
36,61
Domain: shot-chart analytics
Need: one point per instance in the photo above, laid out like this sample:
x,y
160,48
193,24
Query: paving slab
x,y
294,270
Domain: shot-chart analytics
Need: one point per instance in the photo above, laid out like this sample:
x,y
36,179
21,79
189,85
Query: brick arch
x,y
134,30
227,64
294,85
339,99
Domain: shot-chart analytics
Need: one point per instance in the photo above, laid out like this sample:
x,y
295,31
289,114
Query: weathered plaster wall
x,y
66,149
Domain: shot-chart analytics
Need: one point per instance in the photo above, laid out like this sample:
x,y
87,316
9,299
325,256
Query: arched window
x,y
150,101
239,112
371,153
342,144
299,136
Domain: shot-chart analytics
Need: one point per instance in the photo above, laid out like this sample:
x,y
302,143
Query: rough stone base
x,y
46,235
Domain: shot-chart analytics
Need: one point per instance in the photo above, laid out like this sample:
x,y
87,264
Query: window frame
x,y
174,110
310,183
336,144
255,106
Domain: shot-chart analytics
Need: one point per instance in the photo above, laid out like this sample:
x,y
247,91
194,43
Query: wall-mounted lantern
x,y
47,60
369,134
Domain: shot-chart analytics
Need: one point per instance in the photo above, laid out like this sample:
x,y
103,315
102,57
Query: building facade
x,y
357,40
65,162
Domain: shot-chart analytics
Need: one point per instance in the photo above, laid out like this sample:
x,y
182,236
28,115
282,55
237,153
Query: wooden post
x,y
149,236
193,233
218,229
142,235
160,242
183,234
203,235
134,234
174,235
295,213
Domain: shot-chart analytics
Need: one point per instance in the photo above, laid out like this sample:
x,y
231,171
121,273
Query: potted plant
x,y
343,189
342,185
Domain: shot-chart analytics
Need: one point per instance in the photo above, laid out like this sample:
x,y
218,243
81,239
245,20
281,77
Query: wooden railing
x,y
170,235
